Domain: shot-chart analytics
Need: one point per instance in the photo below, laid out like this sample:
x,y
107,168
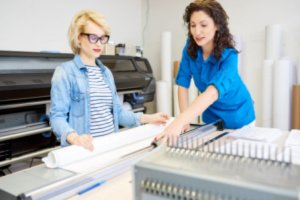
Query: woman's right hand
x,y
186,128
84,141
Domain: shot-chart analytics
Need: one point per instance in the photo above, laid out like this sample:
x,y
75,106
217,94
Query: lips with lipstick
x,y
199,39
97,50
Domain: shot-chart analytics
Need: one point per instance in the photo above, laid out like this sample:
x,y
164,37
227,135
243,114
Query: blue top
x,y
70,97
234,104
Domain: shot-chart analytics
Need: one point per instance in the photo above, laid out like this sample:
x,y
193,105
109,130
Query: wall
x,y
247,19
35,25
38,25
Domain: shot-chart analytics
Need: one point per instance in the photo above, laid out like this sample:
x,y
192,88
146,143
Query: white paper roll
x,y
176,110
298,72
273,38
267,93
239,46
193,94
164,102
282,87
67,155
163,97
166,52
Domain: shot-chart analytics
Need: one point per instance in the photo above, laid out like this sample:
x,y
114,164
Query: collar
x,y
210,59
81,65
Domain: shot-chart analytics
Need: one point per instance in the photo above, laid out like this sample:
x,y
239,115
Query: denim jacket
x,y
70,98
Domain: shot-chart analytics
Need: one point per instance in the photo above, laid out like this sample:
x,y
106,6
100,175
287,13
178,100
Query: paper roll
x,y
164,94
298,72
193,94
176,110
296,107
166,63
273,38
67,155
239,46
163,97
267,93
282,94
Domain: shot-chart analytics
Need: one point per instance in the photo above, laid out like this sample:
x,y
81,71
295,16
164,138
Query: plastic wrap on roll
x,y
282,87
163,97
267,90
296,107
273,40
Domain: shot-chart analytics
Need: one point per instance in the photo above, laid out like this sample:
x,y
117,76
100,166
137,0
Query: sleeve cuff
x,y
138,118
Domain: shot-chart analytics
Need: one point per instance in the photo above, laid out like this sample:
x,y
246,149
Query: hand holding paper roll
x,y
157,118
84,140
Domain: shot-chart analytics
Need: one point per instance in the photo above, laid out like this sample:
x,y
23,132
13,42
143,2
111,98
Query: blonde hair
x,y
78,24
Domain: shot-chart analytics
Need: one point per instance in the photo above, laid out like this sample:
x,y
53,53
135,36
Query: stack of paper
x,y
268,135
293,144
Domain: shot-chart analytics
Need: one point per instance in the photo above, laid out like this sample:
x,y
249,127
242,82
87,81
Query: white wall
x,y
248,19
36,25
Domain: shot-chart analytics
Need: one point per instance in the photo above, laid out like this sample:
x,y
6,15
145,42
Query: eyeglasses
x,y
94,38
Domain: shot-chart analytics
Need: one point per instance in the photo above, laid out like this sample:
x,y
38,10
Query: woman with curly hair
x,y
209,57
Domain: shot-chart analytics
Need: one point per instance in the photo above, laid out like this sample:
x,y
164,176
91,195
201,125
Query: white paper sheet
x,y
293,152
293,138
292,145
268,135
71,154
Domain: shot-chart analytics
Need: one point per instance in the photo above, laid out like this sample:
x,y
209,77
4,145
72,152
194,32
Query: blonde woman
x,y
84,100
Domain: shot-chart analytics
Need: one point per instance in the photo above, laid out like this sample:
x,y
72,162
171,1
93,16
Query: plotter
x,y
25,81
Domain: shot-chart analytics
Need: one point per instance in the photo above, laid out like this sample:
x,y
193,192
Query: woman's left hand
x,y
157,118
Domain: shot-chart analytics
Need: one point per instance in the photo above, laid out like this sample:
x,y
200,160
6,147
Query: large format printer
x,y
25,82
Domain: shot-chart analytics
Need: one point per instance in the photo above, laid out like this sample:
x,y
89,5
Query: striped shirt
x,y
101,118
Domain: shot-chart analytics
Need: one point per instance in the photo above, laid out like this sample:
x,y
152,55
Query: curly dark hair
x,y
222,39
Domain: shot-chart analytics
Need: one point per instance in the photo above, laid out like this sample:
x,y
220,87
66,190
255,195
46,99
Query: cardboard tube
x,y
296,107
176,68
